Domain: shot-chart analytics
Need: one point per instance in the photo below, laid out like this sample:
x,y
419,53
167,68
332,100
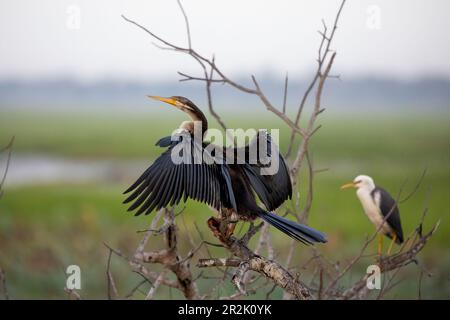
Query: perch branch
x,y
390,263
269,268
169,258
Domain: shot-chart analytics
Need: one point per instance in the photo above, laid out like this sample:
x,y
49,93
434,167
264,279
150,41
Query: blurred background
x,y
73,80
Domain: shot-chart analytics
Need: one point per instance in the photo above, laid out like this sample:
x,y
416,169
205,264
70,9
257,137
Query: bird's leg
x,y
230,228
223,226
394,238
380,244
222,221
214,224
231,221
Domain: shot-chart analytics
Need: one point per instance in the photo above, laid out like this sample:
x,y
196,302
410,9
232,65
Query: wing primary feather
x,y
209,185
158,186
165,183
139,200
139,180
155,180
229,188
164,192
178,185
187,169
169,189
145,184
203,186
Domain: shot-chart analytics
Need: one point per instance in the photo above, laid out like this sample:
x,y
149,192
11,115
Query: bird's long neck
x,y
199,116
365,192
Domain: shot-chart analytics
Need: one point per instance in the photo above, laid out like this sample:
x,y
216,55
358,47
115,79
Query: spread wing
x,y
178,173
275,187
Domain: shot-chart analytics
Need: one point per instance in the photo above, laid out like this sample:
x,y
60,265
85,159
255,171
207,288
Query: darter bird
x,y
221,185
381,209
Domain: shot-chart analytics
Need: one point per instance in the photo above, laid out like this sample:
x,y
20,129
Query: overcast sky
x,y
401,38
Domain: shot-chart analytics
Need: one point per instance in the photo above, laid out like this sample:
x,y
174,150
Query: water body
x,y
42,169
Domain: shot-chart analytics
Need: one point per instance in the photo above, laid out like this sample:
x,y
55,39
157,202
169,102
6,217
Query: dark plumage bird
x,y
221,185
380,207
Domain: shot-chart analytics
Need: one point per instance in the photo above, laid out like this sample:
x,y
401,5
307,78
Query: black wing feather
x,y
177,193
165,182
388,206
228,186
272,190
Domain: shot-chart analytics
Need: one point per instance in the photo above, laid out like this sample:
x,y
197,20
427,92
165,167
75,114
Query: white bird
x,y
380,207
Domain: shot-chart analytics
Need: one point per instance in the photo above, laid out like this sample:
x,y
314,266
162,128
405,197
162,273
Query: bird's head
x,y
361,181
181,103
187,106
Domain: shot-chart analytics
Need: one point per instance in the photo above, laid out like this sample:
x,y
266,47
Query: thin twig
x,y
286,79
188,31
156,285
112,289
3,284
8,148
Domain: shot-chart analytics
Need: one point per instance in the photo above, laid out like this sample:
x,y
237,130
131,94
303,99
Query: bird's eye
x,y
358,182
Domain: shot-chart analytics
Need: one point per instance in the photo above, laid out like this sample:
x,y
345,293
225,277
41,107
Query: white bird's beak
x,y
348,185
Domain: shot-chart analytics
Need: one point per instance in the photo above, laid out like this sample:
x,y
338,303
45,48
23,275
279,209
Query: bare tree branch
x,y
3,284
188,31
158,282
391,263
286,80
171,260
322,56
310,127
269,268
7,148
112,289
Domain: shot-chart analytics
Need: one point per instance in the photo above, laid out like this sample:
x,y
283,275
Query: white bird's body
x,y
379,206
371,206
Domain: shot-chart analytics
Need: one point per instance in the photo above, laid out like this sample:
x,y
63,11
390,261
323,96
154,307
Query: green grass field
x,y
44,228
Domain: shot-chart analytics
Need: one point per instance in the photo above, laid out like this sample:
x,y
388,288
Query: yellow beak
x,y
348,185
166,100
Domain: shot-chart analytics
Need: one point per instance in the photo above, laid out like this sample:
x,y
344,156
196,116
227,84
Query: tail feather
x,y
300,232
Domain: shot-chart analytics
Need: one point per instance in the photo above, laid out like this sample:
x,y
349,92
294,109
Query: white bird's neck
x,y
364,191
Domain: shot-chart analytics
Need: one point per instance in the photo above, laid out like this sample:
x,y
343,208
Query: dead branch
x,y
169,258
390,263
250,261
216,262
112,289
155,286
136,288
310,127
7,148
3,284
326,41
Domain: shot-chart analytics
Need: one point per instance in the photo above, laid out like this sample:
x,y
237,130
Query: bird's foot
x,y
222,228
394,238
230,228
215,224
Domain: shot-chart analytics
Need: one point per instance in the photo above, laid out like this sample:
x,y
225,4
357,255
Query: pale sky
x,y
401,38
